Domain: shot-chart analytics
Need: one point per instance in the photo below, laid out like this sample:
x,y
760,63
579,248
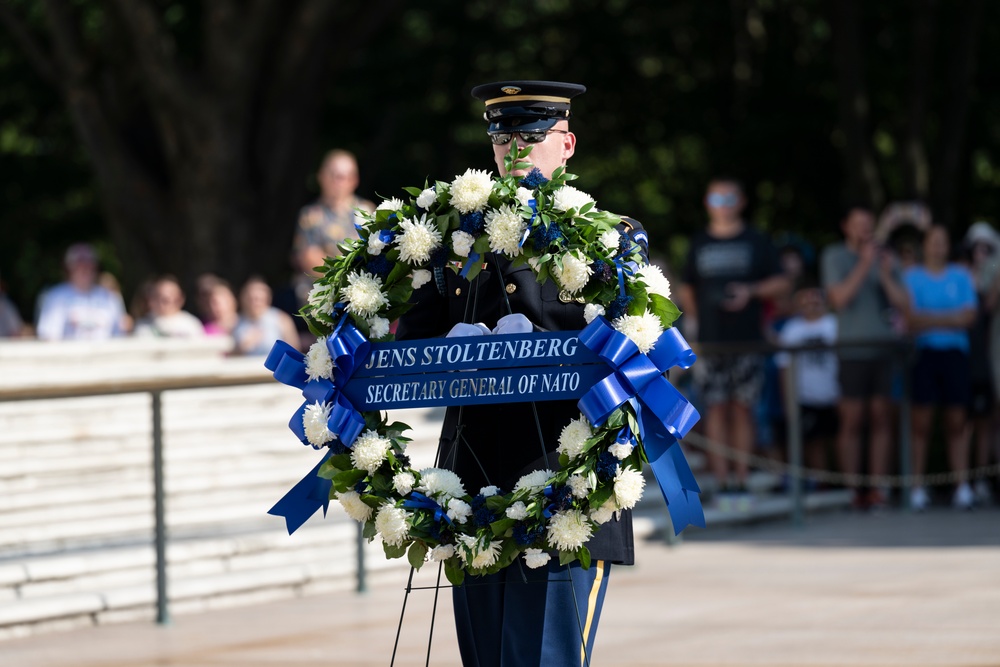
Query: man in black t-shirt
x,y
730,269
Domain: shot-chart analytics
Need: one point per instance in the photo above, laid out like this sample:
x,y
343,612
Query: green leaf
x,y
474,269
399,271
496,503
566,557
413,191
416,555
583,554
665,309
482,245
369,531
345,481
392,551
501,526
328,470
600,496
454,572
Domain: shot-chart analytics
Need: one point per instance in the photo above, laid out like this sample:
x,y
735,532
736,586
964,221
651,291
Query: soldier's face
x,y
546,156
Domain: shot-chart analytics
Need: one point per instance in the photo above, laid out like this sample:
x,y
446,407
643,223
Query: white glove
x,y
515,323
463,329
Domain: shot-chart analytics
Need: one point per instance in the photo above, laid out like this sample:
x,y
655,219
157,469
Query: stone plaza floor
x,y
846,589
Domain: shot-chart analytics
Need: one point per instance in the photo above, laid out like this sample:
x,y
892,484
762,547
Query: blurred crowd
x,y
903,313
893,311
89,305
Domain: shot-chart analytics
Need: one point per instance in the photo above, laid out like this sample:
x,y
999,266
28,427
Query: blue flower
x,y
472,223
439,257
619,306
482,516
380,266
603,271
562,498
526,536
361,487
534,178
607,465
624,243
546,236
337,448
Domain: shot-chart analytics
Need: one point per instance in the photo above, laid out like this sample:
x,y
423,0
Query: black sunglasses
x,y
501,138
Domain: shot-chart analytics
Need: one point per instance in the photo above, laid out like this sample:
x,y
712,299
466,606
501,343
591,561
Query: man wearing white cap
x,y
80,309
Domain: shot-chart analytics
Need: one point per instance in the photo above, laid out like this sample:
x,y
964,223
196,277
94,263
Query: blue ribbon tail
x,y
302,500
674,477
472,259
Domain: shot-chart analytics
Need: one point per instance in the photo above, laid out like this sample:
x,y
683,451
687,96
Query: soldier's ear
x,y
569,145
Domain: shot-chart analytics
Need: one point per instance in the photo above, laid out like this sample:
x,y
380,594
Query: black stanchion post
x,y
794,438
905,451
159,519
362,579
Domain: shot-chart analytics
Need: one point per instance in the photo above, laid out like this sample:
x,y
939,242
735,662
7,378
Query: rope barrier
x,y
833,477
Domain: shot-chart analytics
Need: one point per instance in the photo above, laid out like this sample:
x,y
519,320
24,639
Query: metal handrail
x,y
211,376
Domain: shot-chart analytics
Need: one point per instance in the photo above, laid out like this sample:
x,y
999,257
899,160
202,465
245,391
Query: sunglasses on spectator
x,y
501,138
718,200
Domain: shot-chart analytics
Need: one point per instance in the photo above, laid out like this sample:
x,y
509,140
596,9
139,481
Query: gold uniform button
x,y
511,288
458,291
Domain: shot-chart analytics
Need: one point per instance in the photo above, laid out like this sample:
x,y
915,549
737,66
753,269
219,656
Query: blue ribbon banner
x,y
599,366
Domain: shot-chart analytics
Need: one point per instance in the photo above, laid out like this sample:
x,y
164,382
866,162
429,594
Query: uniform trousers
x,y
522,617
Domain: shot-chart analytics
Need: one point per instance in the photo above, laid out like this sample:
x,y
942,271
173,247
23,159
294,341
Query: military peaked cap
x,y
526,106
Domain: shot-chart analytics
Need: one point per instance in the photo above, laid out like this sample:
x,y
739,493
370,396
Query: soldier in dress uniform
x,y
519,616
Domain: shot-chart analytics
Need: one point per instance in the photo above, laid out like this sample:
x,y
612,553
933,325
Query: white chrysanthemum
x,y
459,511
314,421
505,227
517,511
643,330
318,361
368,451
524,195
592,311
656,282
574,274
568,530
567,197
321,298
489,491
536,558
478,554
573,437
534,263
417,239
471,190
603,514
363,294
393,204
440,484
403,483
378,327
621,451
442,552
534,481
392,523
629,484
420,278
610,239
426,198
375,244
461,243
354,506
578,485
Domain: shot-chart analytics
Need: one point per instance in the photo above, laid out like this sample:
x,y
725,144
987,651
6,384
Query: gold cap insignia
x,y
511,90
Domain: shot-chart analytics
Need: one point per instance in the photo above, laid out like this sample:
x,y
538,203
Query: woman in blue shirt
x,y
942,308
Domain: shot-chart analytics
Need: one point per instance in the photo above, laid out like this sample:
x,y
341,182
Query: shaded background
x,y
181,136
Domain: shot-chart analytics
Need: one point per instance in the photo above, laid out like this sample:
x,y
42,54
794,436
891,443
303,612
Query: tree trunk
x,y
916,170
860,166
953,167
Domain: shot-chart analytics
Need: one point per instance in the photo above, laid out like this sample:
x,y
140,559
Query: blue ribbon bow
x,y
418,500
663,414
348,348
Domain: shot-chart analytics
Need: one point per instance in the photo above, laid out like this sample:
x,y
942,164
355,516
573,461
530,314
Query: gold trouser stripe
x,y
591,607
522,98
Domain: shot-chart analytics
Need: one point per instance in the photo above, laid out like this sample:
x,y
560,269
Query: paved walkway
x,y
916,590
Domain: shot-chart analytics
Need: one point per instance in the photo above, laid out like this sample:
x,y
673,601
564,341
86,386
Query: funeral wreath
x,y
428,514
